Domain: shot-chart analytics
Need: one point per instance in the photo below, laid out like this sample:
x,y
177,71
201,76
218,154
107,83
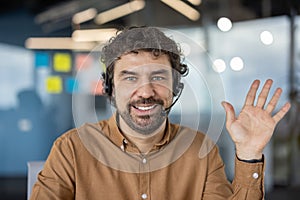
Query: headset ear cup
x,y
178,88
107,84
177,85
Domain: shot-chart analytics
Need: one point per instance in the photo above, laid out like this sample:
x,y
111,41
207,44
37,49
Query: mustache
x,y
150,100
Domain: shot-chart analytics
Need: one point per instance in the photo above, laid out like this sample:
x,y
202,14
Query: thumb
x,y
230,114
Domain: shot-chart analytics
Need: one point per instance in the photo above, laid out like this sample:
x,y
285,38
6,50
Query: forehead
x,y
134,60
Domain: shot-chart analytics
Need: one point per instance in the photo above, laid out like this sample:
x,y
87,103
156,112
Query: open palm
x,y
253,128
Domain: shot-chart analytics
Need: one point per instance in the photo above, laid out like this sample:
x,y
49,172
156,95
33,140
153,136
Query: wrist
x,y
248,155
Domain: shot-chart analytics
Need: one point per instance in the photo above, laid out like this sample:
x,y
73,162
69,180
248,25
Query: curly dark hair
x,y
134,39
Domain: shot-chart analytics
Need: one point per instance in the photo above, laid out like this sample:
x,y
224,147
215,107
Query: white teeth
x,y
145,108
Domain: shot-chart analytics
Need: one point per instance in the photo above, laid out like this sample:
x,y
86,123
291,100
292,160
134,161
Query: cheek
x,y
164,91
165,94
121,95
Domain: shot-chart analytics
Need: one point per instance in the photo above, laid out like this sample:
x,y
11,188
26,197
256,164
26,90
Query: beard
x,y
145,124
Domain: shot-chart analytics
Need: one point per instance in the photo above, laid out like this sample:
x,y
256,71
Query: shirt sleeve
x,y
248,182
56,180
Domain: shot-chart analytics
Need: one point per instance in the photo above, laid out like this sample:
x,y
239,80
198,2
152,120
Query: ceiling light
x,y
56,13
84,16
58,43
195,2
236,63
219,65
266,37
183,8
119,11
90,35
224,24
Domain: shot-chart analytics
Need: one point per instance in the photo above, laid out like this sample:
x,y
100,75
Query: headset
x,y
107,84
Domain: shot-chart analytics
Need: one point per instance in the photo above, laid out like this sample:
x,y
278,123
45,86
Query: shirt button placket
x,y
144,178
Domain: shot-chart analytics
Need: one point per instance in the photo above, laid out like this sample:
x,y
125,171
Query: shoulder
x,y
72,136
66,136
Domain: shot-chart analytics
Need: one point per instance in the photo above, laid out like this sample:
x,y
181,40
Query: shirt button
x,y
255,175
144,196
144,160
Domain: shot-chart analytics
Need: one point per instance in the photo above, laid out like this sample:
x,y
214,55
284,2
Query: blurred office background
x,y
50,73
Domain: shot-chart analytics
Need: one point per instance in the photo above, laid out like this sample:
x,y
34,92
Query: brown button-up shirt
x,y
96,162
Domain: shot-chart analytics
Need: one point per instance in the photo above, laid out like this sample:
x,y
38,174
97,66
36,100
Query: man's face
x,y
142,89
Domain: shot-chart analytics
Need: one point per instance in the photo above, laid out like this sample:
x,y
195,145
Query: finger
x,y
230,114
273,102
252,93
281,113
264,94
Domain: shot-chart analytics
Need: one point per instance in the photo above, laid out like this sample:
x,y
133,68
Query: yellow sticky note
x,y
62,62
54,84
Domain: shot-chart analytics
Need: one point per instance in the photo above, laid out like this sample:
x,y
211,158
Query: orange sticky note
x,y
83,61
97,87
54,84
62,62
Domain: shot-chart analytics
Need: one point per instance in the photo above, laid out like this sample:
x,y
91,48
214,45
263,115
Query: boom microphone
x,y
165,111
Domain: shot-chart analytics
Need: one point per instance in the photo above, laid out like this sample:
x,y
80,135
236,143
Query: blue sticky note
x,y
42,59
71,85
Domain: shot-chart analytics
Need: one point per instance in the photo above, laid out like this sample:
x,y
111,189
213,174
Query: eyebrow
x,y
161,71
127,72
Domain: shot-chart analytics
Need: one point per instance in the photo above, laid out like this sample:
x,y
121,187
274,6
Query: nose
x,y
146,90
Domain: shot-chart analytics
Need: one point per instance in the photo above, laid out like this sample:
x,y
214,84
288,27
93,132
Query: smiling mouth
x,y
145,108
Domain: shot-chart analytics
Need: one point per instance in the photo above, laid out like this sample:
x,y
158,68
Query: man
x,y
138,153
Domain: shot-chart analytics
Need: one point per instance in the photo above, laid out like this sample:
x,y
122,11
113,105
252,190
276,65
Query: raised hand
x,y
253,128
